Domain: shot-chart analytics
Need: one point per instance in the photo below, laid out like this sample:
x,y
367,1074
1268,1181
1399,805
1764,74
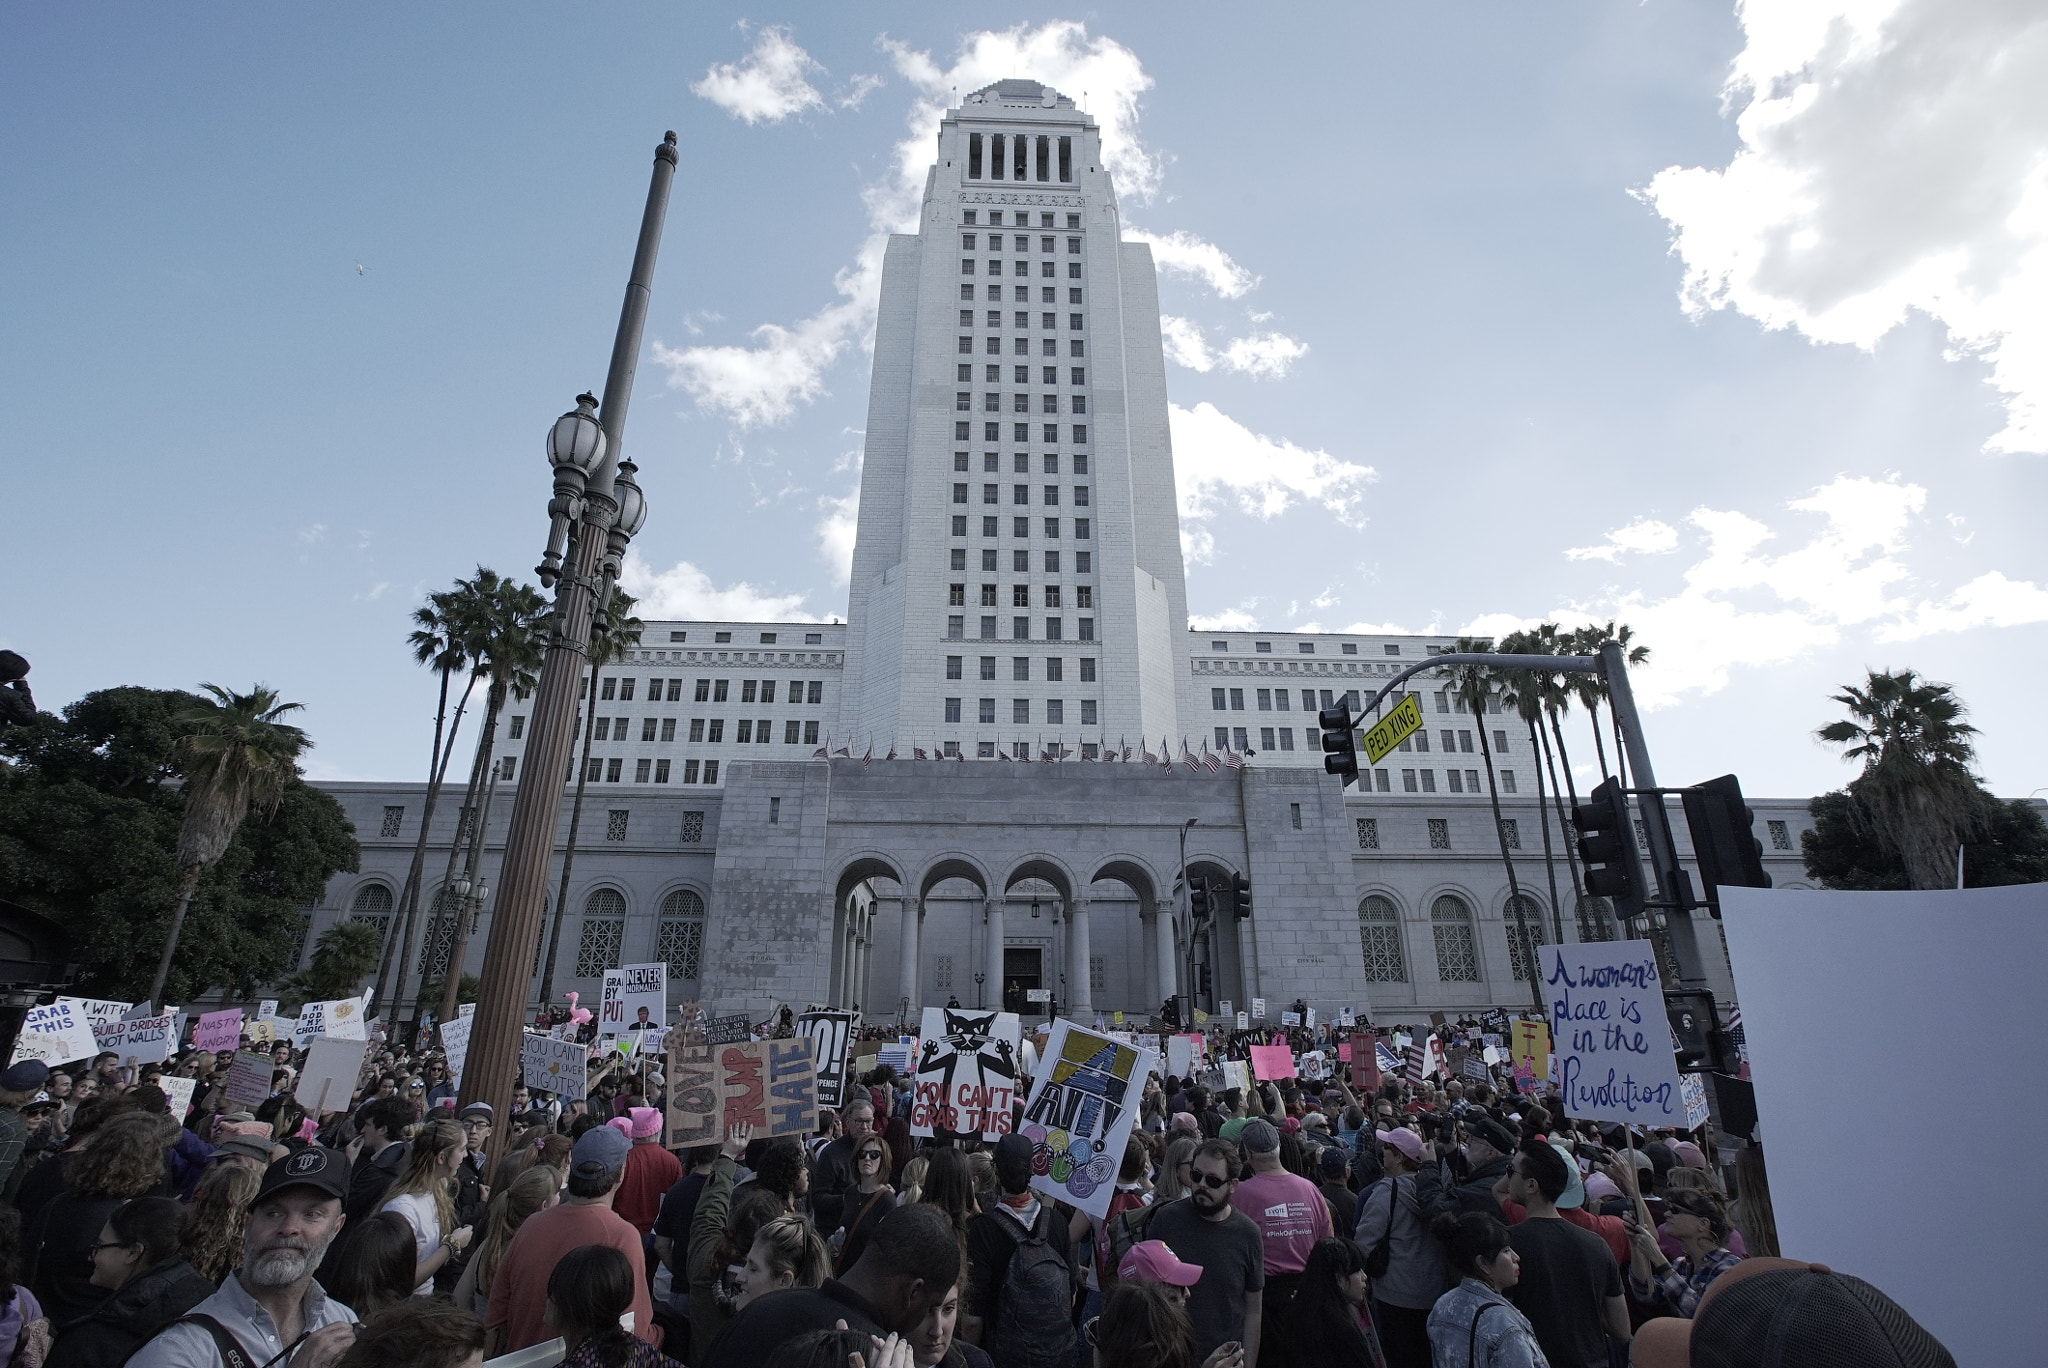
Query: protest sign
x,y
1530,1049
1272,1061
1433,1061
966,1073
1258,1009
831,1034
146,1040
1613,1044
1290,1018
770,1085
896,1057
218,1031
1315,1065
1146,1040
1180,1056
1244,1021
333,1063
729,1030
55,1034
1226,1009
455,1041
1475,1068
1080,1115
635,998
1692,1092
1234,1075
266,1009
1386,1057
179,1091
262,1032
98,1010
341,1018
1494,1019
556,1066
249,1079
1310,1020
1344,1052
653,1041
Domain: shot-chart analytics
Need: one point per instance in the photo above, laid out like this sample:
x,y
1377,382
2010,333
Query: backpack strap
x,y
232,1355
1472,1339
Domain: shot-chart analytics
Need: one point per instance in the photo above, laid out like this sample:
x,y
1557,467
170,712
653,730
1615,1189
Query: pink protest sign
x,y
1344,1051
1272,1061
218,1030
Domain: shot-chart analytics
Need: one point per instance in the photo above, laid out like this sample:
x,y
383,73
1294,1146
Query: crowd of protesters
x,y
1357,1220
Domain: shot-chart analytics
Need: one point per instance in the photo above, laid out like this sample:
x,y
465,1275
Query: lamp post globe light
x,y
596,509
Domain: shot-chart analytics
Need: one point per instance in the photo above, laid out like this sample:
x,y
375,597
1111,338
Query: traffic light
x,y
1241,895
1723,843
1702,1044
1198,900
1607,843
1340,743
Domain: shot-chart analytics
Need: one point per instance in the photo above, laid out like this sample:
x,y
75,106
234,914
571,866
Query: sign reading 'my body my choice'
x,y
1609,1035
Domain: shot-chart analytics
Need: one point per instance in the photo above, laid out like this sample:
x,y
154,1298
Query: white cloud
x,y
769,85
1644,536
839,519
1229,620
1263,356
1215,456
1182,253
1990,600
310,535
1892,160
684,591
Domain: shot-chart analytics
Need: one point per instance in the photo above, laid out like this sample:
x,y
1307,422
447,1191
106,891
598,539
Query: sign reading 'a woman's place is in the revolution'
x,y
1608,1035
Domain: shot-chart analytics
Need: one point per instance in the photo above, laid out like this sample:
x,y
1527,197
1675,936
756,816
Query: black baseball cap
x,y
1484,1127
315,1166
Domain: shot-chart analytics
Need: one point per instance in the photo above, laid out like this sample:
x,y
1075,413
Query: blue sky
x,y
294,296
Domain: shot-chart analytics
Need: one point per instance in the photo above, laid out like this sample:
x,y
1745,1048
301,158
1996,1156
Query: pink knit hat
x,y
645,1122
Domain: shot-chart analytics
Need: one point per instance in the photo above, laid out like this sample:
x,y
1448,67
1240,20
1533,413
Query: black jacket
x,y
1473,1193
129,1318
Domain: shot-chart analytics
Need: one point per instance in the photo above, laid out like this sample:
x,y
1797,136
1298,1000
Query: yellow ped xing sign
x,y
1390,731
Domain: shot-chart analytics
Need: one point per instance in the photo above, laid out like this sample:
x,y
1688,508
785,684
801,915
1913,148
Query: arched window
x,y
1457,953
439,941
1521,953
681,939
604,933
373,905
1596,919
1379,940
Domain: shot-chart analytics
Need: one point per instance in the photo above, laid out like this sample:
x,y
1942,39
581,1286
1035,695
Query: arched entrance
x,y
1029,939
862,888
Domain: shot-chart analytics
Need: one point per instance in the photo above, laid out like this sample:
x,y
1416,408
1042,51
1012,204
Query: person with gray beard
x,y
271,1313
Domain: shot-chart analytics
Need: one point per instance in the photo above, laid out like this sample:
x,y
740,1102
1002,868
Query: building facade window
x,y
1439,833
1511,833
373,905
1522,953
1595,917
604,933
394,817
1379,940
1368,833
693,826
1457,953
680,941
1781,834
615,823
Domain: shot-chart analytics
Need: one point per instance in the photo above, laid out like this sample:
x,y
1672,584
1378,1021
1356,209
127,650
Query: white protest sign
x,y
1180,1056
266,1009
55,1034
329,1079
146,1040
1311,1021
654,1042
1290,1018
1609,1039
249,1079
179,1091
1692,1090
1234,1074
635,998
1244,1021
966,1072
1258,1009
97,1010
555,1066
455,1041
1226,1008
338,1017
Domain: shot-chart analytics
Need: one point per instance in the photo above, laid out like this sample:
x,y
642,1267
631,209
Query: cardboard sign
x,y
1226,1009
1258,1009
1235,1075
650,1042
1530,1049
455,1042
1475,1069
218,1031
341,1018
97,1010
556,1066
55,1034
266,1009
333,1063
1315,1065
729,1030
1180,1056
771,1085
146,1040
1692,1091
831,1035
179,1091
263,1032
1290,1018
1613,1043
966,1077
1344,1052
896,1057
635,998
1494,1019
1272,1061
249,1079
1080,1114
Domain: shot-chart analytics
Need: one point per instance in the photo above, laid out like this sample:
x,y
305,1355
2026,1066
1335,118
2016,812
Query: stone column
x,y
1080,994
995,954
1169,969
909,950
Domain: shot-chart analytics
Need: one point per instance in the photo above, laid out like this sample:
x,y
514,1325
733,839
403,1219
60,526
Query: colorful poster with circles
x,y
1080,1113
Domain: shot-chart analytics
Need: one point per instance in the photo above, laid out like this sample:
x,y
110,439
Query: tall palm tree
x,y
1470,687
611,633
510,644
1522,690
436,641
1916,793
236,755
1590,689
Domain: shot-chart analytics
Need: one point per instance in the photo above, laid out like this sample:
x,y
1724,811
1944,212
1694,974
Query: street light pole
x,y
1187,891
596,510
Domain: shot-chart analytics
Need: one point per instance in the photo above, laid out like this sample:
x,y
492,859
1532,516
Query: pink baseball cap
x,y
1404,1140
1152,1261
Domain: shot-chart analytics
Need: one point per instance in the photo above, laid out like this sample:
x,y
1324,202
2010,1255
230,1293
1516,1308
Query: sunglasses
x,y
875,1155
1210,1180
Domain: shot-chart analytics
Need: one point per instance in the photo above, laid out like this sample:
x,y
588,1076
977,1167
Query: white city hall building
x,y
948,797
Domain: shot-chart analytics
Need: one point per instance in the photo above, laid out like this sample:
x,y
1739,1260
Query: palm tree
x,y
1590,688
1916,793
1522,690
437,641
1470,687
611,632
236,755
510,644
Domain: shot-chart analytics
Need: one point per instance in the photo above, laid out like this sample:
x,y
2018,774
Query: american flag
x,y
1737,1038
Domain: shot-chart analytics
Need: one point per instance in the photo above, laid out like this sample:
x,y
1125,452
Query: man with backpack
x,y
1020,1281
1403,1260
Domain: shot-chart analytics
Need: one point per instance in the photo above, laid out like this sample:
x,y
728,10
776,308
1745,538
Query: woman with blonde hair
x,y
212,1242
535,1189
424,1194
787,1252
1175,1168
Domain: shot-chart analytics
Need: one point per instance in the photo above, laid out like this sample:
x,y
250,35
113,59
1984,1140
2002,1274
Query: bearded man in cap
x,y
271,1307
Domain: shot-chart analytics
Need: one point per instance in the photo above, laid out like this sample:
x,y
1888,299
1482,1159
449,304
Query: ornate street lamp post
x,y
596,510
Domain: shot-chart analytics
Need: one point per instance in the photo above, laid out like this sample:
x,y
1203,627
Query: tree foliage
x,y
90,812
1916,796
343,957
1843,850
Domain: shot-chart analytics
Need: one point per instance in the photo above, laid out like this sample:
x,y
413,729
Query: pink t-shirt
x,y
1289,1212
